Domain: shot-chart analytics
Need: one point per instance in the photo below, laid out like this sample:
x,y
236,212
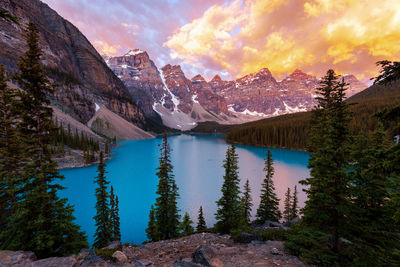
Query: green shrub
x,y
106,253
268,234
311,247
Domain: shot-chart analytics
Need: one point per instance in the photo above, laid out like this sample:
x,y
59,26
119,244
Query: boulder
x,y
16,258
187,262
267,225
274,251
272,224
83,253
250,237
114,245
291,222
92,260
55,262
204,255
144,263
120,256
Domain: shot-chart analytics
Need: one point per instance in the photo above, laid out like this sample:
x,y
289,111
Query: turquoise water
x,y
197,161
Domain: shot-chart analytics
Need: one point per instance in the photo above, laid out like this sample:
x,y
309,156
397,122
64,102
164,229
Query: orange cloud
x,y
106,49
282,35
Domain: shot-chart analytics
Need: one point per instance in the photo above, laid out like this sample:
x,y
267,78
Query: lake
x,y
197,161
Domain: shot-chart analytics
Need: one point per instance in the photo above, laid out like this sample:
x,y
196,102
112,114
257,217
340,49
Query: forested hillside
x,y
291,131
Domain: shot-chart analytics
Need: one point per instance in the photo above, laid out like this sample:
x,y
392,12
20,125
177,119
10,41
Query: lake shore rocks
x,y
197,250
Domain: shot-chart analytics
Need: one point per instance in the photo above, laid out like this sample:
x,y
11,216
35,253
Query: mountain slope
x,y
291,131
69,59
110,124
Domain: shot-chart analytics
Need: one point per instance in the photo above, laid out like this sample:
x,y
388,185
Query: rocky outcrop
x,y
198,250
354,85
55,261
142,78
179,85
203,94
69,59
211,250
16,258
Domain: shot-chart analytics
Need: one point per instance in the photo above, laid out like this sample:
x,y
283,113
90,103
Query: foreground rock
x,y
198,250
16,258
212,250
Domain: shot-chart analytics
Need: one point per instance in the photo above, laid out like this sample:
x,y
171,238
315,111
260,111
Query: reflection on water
x,y
197,161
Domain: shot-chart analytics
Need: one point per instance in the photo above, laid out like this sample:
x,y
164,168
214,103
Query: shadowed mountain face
x,y
69,59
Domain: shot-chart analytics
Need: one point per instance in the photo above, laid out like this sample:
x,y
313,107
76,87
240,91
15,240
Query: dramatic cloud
x,y
282,35
114,27
235,37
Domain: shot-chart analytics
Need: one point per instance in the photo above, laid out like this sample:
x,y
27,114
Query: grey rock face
x,y
69,59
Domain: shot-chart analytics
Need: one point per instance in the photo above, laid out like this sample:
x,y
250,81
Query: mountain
x,y
291,130
69,59
167,95
261,94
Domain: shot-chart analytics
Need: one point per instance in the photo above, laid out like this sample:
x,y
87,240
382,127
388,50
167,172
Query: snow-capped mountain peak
x,y
133,52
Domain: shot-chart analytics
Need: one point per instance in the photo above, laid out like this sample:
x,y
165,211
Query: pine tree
x,y
41,221
229,215
328,187
151,230
114,215
246,202
372,216
10,150
201,222
269,202
294,211
103,234
186,227
166,207
106,149
287,206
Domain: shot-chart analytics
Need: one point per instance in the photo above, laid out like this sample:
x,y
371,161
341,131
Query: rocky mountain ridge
x,y
69,60
181,102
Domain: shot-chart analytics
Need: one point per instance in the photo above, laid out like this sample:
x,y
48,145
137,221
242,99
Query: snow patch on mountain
x,y
175,100
133,52
246,112
289,109
194,99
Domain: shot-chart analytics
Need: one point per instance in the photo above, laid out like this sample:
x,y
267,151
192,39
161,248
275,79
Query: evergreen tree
x,y
41,221
114,215
287,212
372,215
328,187
246,202
103,235
269,202
186,227
294,211
151,230
201,222
166,208
10,150
229,215
106,149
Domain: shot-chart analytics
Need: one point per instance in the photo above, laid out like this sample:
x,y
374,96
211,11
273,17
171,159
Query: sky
x,y
235,37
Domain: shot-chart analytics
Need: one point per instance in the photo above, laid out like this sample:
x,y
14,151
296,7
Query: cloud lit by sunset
x,y
238,37
313,35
